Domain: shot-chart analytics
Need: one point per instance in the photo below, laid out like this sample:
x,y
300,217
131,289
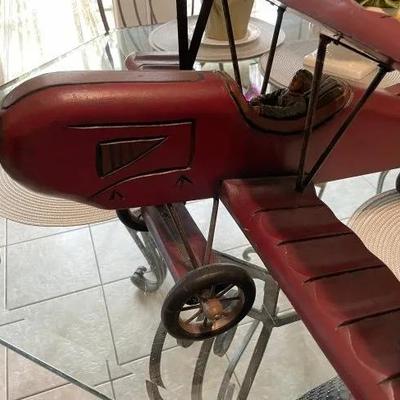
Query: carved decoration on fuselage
x,y
113,156
115,195
183,180
142,152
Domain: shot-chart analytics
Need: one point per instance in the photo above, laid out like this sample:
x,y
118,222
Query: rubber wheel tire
x,y
198,280
132,219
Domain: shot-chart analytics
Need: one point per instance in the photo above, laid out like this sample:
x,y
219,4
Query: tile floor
x,y
68,300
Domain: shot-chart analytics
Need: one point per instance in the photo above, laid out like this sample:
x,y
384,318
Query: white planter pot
x,y
240,11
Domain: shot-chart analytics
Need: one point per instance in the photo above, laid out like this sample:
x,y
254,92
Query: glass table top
x,y
70,305
108,52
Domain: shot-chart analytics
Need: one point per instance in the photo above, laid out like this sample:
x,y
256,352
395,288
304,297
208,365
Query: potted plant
x,y
240,11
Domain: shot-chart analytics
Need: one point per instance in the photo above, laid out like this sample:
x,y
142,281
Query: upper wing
x,y
376,33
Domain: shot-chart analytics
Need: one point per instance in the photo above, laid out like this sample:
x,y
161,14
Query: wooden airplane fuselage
x,y
127,139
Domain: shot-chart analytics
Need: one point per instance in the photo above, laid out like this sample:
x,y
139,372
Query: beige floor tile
x,y
3,263
17,232
227,234
345,196
2,232
389,182
71,392
177,369
26,378
3,373
44,268
104,222
6,316
254,258
291,365
70,333
117,254
118,371
283,302
135,317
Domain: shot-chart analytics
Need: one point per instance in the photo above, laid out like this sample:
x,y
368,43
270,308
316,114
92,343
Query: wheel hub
x,y
213,309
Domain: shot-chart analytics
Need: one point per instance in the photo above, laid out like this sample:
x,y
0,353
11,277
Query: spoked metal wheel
x,y
208,301
132,219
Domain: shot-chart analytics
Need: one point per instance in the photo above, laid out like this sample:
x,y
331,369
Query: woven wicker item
x,y
334,389
377,223
20,204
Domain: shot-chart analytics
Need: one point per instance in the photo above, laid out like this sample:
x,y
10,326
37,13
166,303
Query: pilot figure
x,y
286,103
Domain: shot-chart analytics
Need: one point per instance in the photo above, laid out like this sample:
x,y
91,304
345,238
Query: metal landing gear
x,y
148,279
132,219
214,291
212,294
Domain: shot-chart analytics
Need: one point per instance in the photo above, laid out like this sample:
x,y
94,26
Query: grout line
x,y
12,322
115,379
54,298
234,374
110,379
69,293
125,278
104,298
375,186
236,247
53,370
81,227
103,222
72,385
125,363
6,374
239,385
246,323
48,390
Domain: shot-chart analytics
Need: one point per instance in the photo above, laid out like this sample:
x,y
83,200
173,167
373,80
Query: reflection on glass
x,y
33,32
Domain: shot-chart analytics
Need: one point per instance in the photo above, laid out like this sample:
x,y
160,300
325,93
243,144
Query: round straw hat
x,y
20,204
377,223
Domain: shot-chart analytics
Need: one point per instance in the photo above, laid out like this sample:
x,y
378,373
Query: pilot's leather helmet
x,y
301,82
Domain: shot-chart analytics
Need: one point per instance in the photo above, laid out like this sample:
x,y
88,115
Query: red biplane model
x,y
158,138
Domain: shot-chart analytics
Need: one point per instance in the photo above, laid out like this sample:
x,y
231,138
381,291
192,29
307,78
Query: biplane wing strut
x,y
188,51
303,181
